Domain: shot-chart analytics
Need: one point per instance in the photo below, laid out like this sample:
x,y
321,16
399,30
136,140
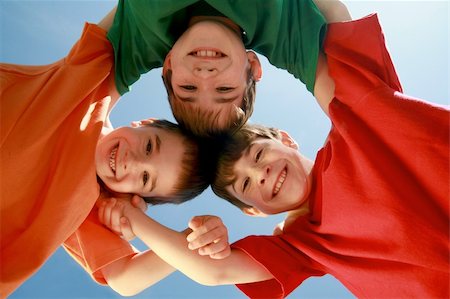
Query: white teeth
x,y
112,159
207,53
280,182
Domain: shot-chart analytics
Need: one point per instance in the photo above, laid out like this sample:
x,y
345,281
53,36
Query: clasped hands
x,y
207,234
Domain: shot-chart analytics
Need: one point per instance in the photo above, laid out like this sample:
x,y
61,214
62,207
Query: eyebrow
x,y
246,154
232,186
158,147
153,183
225,100
158,143
249,149
219,100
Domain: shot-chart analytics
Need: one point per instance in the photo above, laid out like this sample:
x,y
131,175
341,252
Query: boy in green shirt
x,y
209,75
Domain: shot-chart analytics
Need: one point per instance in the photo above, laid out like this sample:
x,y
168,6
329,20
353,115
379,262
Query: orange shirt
x,y
51,117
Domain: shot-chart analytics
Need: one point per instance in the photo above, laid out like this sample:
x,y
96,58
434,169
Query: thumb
x,y
138,202
196,222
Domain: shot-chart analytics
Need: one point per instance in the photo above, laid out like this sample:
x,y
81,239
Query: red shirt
x,y
379,218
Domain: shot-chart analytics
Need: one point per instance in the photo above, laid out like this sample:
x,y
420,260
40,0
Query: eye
x,y
245,185
258,155
145,178
148,149
188,87
224,89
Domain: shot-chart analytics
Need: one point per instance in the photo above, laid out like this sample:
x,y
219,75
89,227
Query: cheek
x,y
120,187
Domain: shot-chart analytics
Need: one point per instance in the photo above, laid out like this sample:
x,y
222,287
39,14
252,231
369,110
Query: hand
x,y
111,214
210,236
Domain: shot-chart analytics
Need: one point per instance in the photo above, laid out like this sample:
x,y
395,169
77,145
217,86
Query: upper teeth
x,y
112,159
280,182
207,53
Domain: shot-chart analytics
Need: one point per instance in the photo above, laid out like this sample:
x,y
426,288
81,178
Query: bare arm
x,y
333,11
107,21
131,275
172,247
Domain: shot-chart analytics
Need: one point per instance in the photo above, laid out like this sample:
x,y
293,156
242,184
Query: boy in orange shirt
x,y
56,141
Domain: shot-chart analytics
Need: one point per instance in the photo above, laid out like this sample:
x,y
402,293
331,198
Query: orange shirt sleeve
x,y
94,246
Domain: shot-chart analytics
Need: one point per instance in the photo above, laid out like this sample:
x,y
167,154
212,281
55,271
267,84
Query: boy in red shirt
x,y
372,210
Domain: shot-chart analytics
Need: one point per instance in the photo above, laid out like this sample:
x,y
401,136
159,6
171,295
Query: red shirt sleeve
x,y
288,266
358,59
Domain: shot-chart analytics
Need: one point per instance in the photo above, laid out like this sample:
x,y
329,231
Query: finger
x,y
127,231
221,255
116,214
211,236
101,209
196,222
138,202
202,224
107,212
214,248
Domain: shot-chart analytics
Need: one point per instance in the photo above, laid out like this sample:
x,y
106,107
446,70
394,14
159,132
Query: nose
x,y
264,174
205,72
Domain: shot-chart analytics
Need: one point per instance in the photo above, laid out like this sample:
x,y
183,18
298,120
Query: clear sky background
x,y
41,32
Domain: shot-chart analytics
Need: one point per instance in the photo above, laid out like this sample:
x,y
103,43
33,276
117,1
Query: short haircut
x,y
232,150
194,178
204,123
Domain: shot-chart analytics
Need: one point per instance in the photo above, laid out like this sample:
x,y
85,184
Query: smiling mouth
x,y
280,182
207,54
112,159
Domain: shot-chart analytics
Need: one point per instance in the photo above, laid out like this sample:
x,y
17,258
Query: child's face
x,y
271,177
143,160
210,68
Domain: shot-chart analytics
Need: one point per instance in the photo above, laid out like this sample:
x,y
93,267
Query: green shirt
x,y
288,32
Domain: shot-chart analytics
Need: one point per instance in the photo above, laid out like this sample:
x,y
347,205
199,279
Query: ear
x,y
167,65
252,211
255,65
287,140
144,122
135,124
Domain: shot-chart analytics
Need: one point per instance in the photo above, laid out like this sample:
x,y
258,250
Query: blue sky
x,y
40,32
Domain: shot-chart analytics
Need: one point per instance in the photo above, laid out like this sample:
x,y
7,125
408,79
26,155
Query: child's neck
x,y
225,21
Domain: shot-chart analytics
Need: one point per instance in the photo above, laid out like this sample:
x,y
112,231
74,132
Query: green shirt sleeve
x,y
288,32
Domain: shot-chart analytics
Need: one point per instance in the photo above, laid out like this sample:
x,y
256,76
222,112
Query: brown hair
x,y
205,123
231,152
194,178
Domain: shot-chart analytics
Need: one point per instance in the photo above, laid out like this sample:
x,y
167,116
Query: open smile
x,y
112,158
207,53
279,183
